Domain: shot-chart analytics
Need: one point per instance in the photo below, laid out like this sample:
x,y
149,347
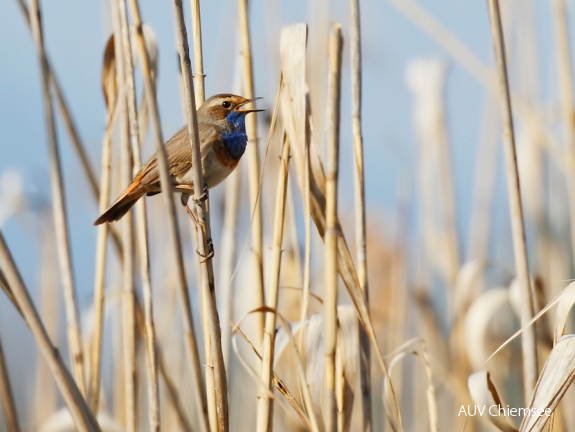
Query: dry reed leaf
x,y
418,348
311,333
476,323
529,163
485,395
563,308
346,364
109,80
296,118
566,293
298,412
12,197
467,286
109,83
295,115
556,377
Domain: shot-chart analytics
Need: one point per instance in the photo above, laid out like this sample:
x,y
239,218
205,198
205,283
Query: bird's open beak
x,y
245,103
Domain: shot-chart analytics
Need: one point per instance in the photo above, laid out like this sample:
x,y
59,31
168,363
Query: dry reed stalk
x,y
203,226
528,337
8,405
150,332
165,178
83,418
198,52
565,76
59,206
100,267
46,394
171,389
265,401
331,232
254,167
128,133
293,39
311,421
141,228
360,230
484,185
72,130
210,406
228,255
278,383
200,97
427,78
6,288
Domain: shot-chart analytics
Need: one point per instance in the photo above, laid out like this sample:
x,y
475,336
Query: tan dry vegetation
x,y
310,316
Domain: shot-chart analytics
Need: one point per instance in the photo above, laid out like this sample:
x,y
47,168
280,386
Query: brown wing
x,y
179,155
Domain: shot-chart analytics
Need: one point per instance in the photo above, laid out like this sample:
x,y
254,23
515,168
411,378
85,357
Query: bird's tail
x,y
121,206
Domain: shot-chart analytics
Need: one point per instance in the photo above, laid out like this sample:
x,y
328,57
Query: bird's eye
x,y
226,104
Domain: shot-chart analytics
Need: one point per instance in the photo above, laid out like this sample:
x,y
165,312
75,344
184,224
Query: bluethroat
x,y
223,140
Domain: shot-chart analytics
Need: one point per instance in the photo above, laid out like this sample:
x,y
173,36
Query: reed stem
x,y
331,232
205,248
360,228
6,396
165,179
82,416
199,76
128,134
100,267
59,205
265,402
528,337
565,76
254,167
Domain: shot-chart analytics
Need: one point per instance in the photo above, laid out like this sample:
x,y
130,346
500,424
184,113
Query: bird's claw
x,y
209,255
202,197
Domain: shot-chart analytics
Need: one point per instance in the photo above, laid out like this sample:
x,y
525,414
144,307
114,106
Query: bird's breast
x,y
235,141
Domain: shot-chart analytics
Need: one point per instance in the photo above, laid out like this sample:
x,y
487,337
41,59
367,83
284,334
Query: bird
x,y
223,140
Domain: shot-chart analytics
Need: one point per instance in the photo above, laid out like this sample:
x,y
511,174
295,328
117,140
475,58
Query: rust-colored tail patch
x,y
123,204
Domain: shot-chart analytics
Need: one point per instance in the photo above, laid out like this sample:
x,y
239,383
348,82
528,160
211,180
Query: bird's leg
x,y
184,198
210,245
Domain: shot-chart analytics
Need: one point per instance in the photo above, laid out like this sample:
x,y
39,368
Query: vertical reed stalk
x,y
360,229
8,405
128,133
565,76
165,179
149,327
331,233
100,271
84,419
203,227
59,206
74,135
171,389
141,226
254,167
265,402
198,53
45,392
200,97
528,337
228,242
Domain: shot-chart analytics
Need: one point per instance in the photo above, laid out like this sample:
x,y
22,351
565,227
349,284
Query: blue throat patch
x,y
234,137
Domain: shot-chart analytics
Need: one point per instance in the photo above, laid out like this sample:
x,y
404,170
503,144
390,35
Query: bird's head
x,y
226,110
